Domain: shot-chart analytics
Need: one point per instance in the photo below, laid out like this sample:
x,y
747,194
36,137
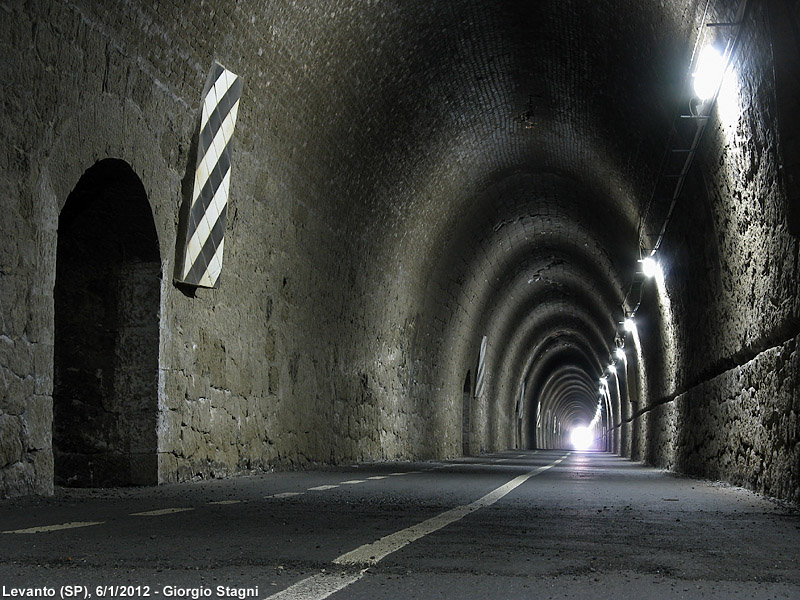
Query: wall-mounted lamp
x,y
629,325
612,369
708,73
620,354
649,266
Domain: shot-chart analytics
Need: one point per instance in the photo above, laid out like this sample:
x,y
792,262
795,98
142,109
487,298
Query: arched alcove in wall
x,y
107,297
466,398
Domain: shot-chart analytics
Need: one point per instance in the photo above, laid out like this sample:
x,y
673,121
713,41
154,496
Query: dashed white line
x,y
47,528
285,495
370,554
226,502
322,585
162,511
322,488
353,481
377,477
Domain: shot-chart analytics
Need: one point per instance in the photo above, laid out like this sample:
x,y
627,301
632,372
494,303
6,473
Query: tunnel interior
x,y
106,324
436,238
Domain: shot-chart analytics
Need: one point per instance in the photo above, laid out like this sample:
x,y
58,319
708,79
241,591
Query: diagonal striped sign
x,y
481,367
205,225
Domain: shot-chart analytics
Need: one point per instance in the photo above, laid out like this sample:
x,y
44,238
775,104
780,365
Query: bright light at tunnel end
x,y
581,438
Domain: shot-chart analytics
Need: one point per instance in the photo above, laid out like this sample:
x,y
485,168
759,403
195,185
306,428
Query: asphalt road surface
x,y
519,524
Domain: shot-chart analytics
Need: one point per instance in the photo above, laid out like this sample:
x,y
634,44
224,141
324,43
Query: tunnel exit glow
x,y
581,438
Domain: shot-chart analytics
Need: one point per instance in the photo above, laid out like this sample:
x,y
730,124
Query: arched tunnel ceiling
x,y
537,129
498,156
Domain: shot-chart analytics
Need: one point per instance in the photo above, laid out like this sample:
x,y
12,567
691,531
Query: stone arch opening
x,y
784,22
466,397
107,300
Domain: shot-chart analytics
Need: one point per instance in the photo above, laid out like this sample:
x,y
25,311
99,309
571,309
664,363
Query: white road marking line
x,y
322,585
318,586
226,502
353,482
370,554
322,488
376,477
47,528
285,495
158,513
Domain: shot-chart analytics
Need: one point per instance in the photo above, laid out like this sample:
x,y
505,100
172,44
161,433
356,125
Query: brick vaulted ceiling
x,y
520,142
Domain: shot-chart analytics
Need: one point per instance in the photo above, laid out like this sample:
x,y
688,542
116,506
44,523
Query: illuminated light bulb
x,y
709,72
630,325
620,353
649,267
612,369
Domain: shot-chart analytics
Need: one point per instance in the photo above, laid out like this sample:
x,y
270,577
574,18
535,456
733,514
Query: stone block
x,y
12,442
38,420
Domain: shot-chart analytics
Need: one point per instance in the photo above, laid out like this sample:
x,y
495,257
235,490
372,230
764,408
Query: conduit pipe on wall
x,y
701,106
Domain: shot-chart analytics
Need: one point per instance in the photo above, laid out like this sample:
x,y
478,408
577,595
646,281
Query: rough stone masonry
x,y
407,178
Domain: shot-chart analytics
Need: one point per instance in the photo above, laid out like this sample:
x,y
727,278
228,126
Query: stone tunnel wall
x,y
303,353
723,369
321,344
307,351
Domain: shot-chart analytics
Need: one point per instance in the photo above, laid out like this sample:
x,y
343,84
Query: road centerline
x,y
372,553
322,585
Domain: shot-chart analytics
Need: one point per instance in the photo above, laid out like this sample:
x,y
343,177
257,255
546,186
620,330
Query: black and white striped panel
x,y
481,367
205,227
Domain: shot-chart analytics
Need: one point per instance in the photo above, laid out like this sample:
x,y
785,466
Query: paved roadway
x,y
535,524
